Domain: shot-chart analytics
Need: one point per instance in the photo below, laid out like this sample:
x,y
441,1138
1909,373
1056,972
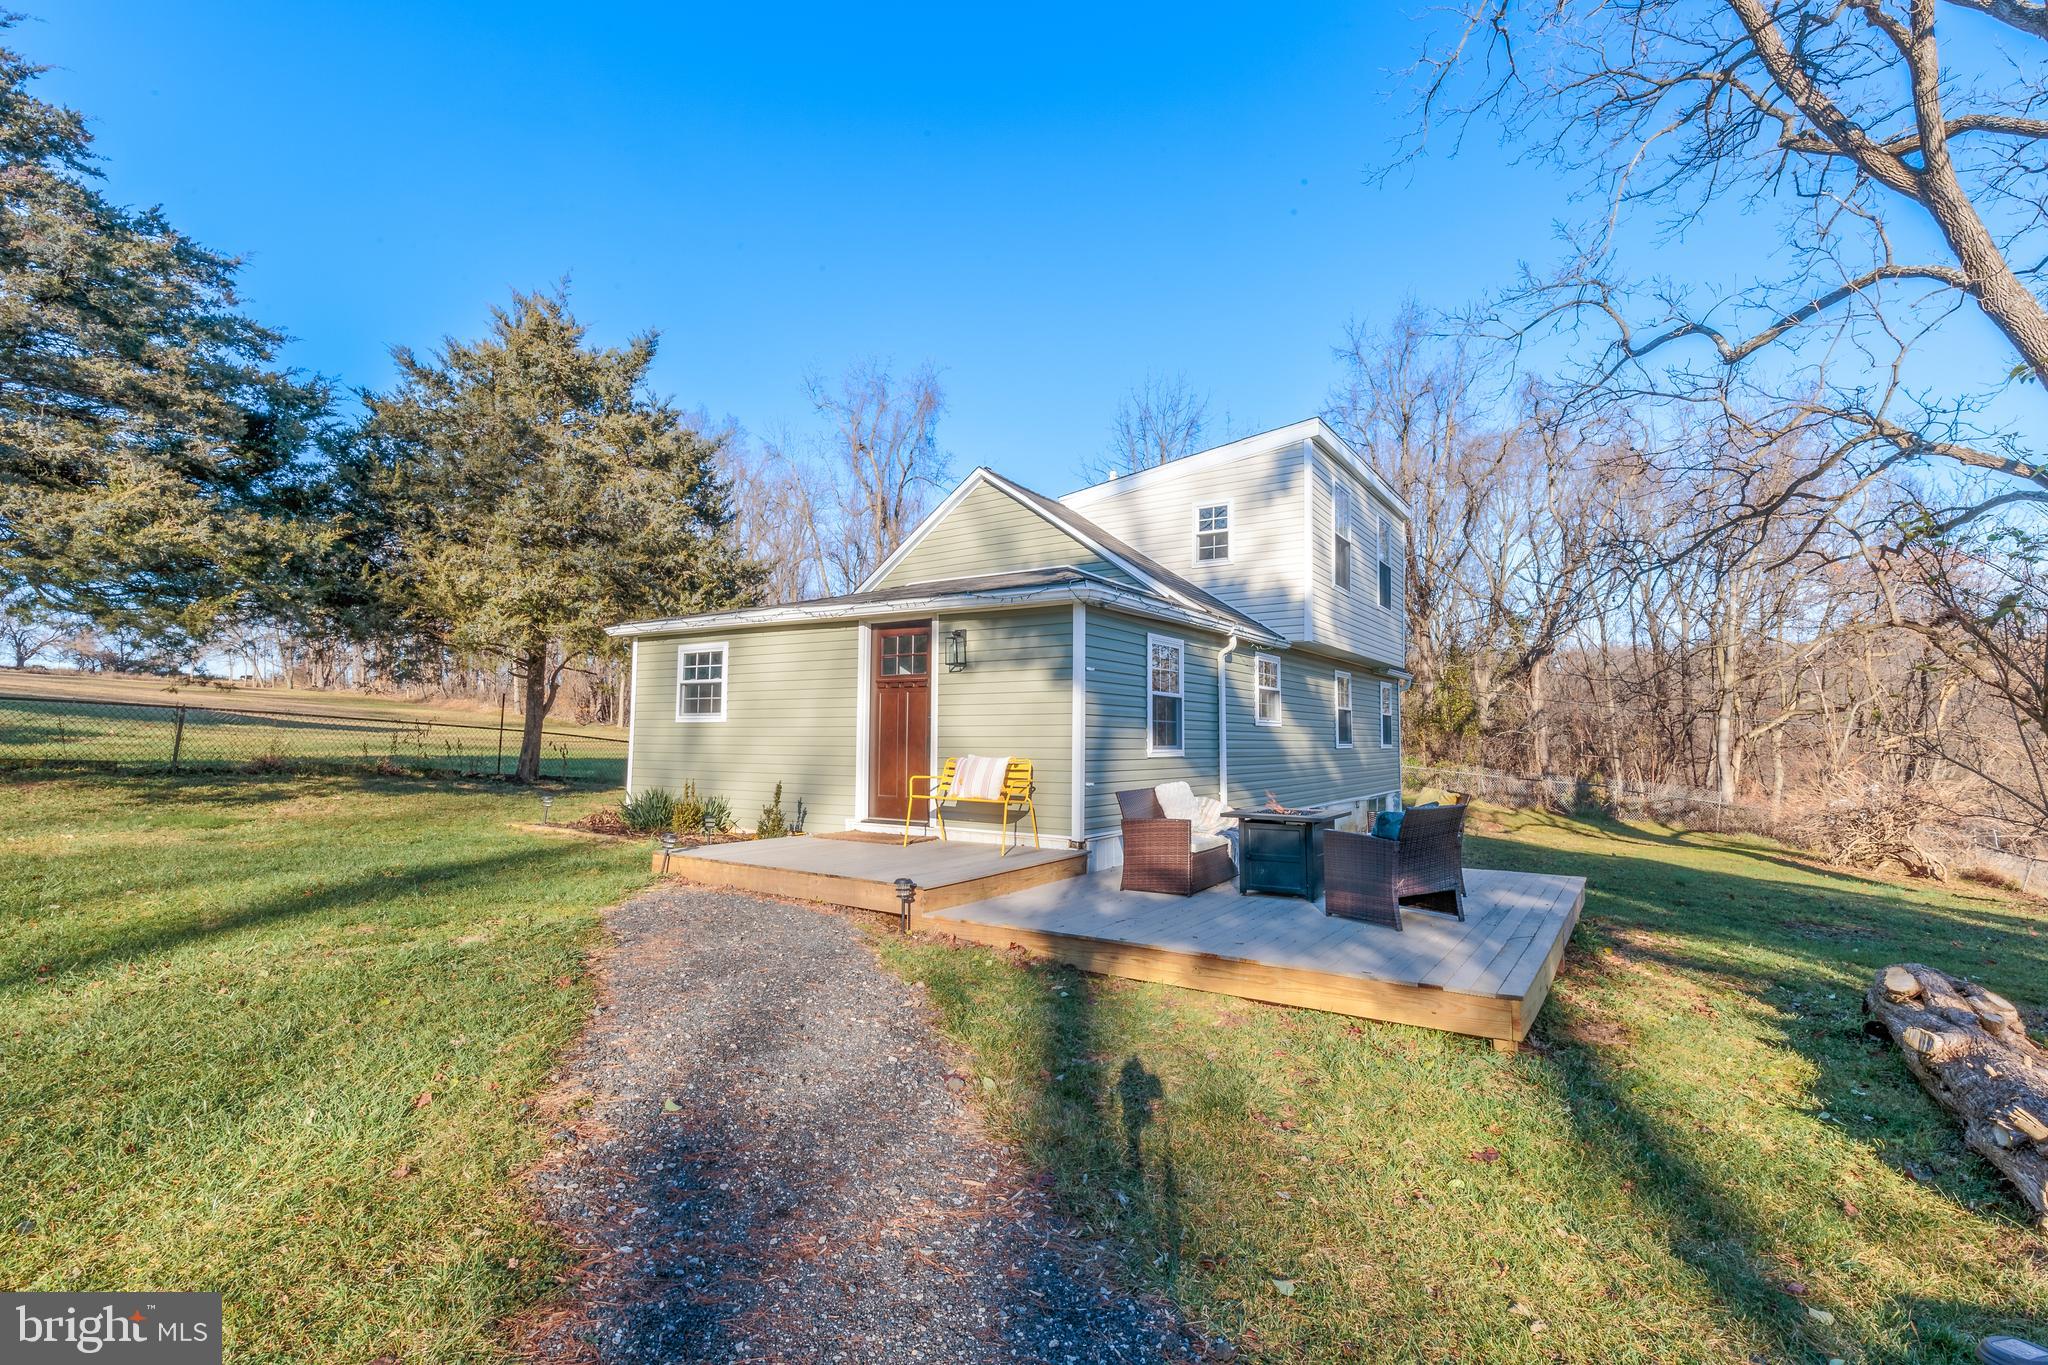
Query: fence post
x,y
177,738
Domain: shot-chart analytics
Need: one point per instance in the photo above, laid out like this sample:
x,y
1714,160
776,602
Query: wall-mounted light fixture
x,y
956,650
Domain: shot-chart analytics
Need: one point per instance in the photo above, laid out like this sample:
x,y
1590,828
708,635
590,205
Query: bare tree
x,y
1857,130
874,471
28,632
1161,419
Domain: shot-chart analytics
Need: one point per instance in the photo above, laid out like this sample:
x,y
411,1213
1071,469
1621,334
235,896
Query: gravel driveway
x,y
766,1163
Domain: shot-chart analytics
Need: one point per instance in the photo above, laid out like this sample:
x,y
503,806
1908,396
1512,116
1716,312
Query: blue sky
x,y
1046,203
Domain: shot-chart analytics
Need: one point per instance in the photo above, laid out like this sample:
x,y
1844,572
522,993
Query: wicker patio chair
x,y
1368,879
1156,852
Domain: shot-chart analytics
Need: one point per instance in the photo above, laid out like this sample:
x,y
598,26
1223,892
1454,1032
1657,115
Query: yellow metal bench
x,y
1015,797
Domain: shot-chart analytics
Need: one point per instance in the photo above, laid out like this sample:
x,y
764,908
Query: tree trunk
x,y
1539,721
1969,1050
534,715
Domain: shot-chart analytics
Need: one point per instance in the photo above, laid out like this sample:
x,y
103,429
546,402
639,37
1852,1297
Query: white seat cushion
x,y
1202,843
977,777
1177,801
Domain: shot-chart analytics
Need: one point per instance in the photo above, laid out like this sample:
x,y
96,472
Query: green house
x,y
1233,619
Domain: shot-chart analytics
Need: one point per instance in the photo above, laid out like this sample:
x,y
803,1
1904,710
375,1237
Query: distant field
x,y
71,720
248,696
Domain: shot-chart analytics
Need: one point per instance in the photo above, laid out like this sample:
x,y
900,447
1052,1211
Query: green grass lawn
x,y
275,1036
1701,1158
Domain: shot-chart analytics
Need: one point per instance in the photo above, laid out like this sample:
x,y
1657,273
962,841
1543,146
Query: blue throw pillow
x,y
1387,825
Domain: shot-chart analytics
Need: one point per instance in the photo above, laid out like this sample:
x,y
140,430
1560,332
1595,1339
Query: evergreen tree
x,y
152,479
533,492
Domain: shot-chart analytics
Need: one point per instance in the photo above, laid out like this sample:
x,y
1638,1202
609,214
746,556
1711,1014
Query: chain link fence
x,y
175,737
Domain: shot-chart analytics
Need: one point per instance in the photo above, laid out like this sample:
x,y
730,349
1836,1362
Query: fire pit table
x,y
1280,852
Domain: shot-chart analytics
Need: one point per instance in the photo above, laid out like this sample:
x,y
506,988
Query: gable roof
x,y
1153,576
1018,588
1279,438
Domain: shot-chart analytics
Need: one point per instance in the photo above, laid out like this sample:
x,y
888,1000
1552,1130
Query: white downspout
x,y
1223,719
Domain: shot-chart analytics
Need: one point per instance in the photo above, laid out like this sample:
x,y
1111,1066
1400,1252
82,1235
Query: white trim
x,y
1077,817
1180,646
1343,531
1308,541
1262,443
931,692
1386,564
1279,692
1098,592
724,681
1223,719
1229,531
862,672
1337,713
923,528
1017,493
1387,715
632,712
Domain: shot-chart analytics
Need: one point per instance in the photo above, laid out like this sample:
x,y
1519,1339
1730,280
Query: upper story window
x,y
1265,689
1167,689
1212,533
1386,715
1343,709
1341,533
700,682
1386,563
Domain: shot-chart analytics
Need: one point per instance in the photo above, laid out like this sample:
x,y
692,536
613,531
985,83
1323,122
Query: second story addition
x,y
1292,527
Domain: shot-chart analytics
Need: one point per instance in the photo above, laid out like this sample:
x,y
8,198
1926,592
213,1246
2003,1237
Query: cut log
x,y
1900,984
1969,1049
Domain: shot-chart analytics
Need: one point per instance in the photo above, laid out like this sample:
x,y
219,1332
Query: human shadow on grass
x,y
370,889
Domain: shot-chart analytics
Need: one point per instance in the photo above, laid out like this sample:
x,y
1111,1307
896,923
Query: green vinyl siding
x,y
789,704
986,532
1015,697
1298,761
1118,694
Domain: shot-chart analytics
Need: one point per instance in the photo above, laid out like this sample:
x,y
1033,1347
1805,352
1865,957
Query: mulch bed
x,y
608,823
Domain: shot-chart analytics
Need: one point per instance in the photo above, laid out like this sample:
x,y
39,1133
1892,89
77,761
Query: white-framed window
x,y
1340,546
1386,563
1166,689
1212,533
1386,715
1343,709
1265,689
700,682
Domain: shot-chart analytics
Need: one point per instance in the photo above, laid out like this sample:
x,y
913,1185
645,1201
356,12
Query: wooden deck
x,y
863,875
1487,976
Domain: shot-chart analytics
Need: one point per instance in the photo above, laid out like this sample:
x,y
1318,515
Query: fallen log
x,y
1969,1049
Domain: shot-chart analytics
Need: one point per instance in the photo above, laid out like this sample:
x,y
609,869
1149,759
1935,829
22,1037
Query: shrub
x,y
775,822
689,812
649,812
717,815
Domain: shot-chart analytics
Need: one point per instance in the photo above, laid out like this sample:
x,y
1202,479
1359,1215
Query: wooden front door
x,y
900,715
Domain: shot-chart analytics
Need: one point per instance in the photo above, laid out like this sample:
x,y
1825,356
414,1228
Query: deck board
x,y
1486,976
